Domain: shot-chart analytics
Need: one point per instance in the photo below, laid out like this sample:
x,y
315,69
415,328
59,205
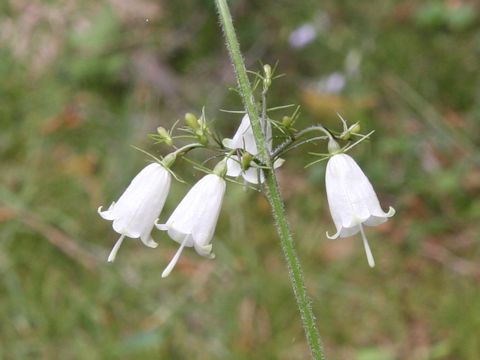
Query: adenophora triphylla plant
x,y
256,149
351,197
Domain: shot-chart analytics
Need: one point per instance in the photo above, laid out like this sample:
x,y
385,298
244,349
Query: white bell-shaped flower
x,y
135,212
352,200
193,222
244,139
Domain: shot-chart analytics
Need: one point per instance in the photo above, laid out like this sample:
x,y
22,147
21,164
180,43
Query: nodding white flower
x,y
193,222
135,212
244,139
352,200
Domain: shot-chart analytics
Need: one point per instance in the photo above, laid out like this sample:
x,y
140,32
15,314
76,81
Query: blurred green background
x,y
82,81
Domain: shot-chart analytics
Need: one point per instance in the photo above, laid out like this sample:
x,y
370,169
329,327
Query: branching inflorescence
x,y
249,159
193,222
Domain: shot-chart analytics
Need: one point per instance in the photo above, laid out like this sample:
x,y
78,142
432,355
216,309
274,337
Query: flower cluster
x,y
193,222
352,200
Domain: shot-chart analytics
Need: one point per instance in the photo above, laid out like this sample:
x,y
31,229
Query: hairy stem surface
x,y
273,191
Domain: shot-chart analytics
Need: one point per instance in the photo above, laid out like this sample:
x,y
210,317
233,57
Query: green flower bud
x,y
355,128
267,69
164,135
162,132
333,146
168,160
287,121
221,169
191,120
246,160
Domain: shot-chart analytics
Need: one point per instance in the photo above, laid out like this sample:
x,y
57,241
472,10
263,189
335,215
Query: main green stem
x,y
273,191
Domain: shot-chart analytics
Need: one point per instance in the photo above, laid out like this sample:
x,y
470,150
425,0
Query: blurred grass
x,y
81,82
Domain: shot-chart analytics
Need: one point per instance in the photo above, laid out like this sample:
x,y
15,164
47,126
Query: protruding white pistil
x,y
114,251
174,260
371,261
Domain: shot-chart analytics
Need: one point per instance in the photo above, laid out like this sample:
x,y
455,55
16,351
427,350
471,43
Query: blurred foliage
x,y
82,81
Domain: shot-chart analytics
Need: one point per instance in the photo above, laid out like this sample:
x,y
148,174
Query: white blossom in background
x,y
193,222
352,200
302,36
135,212
244,139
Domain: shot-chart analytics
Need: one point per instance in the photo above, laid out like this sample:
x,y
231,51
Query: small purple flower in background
x,y
302,36
332,84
